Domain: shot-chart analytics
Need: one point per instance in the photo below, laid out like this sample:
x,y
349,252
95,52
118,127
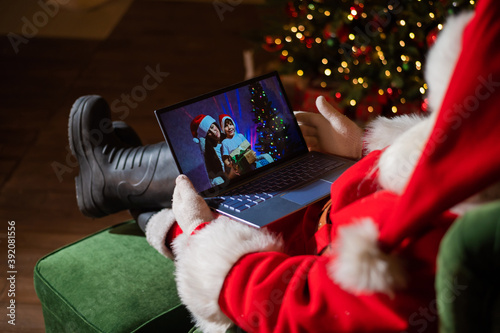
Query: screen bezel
x,y
217,190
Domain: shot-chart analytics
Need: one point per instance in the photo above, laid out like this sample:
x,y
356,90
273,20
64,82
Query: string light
x,y
347,42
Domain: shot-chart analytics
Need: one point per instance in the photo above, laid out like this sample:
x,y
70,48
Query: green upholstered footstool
x,y
112,281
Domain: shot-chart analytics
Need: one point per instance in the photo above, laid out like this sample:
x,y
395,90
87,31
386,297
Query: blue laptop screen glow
x,y
221,137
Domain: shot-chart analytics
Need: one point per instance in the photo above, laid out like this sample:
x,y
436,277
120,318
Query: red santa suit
x,y
371,268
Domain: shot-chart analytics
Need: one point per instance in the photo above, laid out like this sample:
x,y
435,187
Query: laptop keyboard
x,y
274,183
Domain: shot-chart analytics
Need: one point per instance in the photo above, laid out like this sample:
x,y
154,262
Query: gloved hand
x,y
330,131
190,210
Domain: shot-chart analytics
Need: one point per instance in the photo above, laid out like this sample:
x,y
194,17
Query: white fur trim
x,y
157,229
443,56
359,266
203,261
397,162
382,132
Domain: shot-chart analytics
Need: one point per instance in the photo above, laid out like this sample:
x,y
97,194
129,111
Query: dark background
x,y
38,84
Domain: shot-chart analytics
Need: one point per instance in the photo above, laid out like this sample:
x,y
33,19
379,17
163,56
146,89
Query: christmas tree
x,y
271,130
368,54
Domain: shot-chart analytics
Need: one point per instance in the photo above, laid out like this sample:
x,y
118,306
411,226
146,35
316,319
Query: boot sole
x,y
88,168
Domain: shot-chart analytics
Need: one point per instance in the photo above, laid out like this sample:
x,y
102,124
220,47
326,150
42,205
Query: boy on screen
x,y
237,153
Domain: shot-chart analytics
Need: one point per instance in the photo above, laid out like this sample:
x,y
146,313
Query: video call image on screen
x,y
227,135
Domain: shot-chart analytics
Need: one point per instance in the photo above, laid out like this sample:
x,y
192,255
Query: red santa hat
x,y
200,125
222,120
461,156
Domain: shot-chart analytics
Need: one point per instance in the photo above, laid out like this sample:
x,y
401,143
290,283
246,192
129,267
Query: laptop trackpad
x,y
309,193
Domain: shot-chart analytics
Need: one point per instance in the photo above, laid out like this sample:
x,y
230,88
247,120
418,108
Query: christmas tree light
x,y
271,129
369,54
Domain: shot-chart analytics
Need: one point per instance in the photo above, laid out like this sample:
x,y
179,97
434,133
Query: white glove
x,y
330,131
190,210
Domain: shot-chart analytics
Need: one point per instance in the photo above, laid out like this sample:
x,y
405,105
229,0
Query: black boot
x,y
115,175
126,134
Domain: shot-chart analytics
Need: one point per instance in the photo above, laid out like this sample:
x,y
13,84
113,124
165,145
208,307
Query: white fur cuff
x,y
382,132
360,266
203,261
157,230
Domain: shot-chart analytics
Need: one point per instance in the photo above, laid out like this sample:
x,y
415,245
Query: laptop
x,y
242,149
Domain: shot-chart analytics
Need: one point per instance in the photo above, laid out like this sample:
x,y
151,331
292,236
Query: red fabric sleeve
x,y
272,292
275,292
176,230
358,181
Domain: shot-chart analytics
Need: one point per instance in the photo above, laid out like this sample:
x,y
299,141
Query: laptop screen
x,y
225,136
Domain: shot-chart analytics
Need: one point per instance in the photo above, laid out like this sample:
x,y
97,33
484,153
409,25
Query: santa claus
x,y
366,261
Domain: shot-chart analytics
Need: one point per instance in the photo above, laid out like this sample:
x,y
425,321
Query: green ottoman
x,y
112,281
